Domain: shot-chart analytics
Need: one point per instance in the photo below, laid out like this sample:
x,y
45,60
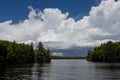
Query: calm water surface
x,y
79,69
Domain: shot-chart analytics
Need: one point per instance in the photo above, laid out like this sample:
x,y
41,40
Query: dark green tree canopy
x,y
108,52
12,52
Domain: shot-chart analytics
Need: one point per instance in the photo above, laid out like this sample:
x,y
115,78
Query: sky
x,y
60,24
16,10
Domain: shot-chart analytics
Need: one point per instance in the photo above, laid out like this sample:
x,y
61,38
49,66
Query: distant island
x,y
107,52
12,52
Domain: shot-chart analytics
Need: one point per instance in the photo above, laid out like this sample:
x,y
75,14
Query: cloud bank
x,y
57,30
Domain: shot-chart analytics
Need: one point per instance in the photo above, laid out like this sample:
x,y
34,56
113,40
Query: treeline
x,y
64,57
107,52
12,52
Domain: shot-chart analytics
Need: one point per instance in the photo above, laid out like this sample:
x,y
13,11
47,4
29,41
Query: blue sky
x,y
16,10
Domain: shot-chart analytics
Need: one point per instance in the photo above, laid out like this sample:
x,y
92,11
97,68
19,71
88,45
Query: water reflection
x,y
21,72
2,70
61,70
110,66
108,71
37,71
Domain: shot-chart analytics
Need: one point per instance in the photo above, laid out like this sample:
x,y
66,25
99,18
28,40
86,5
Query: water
x,y
61,70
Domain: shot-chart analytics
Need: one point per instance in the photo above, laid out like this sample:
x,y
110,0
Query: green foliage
x,y
109,52
12,52
42,54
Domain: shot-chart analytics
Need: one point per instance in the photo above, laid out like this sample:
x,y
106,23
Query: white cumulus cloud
x,y
57,30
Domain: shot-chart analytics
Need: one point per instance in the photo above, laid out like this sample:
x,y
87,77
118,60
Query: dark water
x,y
61,70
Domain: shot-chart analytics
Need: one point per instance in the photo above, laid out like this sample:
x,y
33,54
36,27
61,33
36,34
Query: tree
x,y
43,55
12,52
89,57
40,46
108,52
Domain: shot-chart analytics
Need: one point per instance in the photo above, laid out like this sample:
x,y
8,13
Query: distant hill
x,y
74,51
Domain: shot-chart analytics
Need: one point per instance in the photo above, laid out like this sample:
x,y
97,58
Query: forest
x,y
12,52
66,57
107,52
